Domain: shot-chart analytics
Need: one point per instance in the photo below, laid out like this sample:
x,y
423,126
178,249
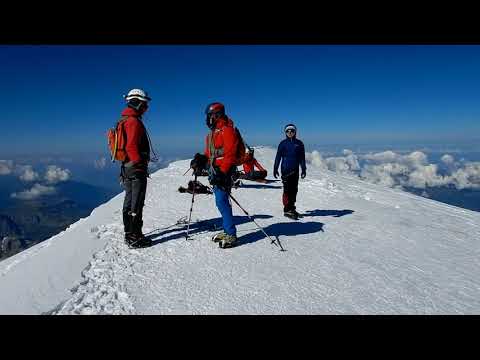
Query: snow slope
x,y
360,249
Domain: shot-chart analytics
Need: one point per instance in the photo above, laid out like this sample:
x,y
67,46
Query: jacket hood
x,y
131,112
224,121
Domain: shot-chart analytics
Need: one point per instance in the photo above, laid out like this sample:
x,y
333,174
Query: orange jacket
x,y
223,137
249,165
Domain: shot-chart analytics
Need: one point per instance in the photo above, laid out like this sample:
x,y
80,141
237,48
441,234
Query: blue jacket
x,y
292,153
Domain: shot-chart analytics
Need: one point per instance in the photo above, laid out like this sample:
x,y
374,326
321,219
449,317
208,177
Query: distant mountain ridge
x,y
28,222
8,227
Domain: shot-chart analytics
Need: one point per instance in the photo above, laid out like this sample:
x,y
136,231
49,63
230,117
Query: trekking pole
x,y
185,173
246,213
191,207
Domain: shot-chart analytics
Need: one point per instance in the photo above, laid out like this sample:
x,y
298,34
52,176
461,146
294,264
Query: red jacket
x,y
224,137
249,165
137,146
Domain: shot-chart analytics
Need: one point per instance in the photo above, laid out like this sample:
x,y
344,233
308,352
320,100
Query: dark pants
x,y
135,190
290,190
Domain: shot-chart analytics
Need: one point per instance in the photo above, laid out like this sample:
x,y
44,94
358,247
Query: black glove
x,y
218,178
303,174
276,174
198,163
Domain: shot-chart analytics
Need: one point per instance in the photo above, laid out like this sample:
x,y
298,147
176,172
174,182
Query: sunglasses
x,y
290,131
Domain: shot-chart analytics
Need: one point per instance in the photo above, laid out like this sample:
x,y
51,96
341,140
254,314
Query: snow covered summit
x,y
359,249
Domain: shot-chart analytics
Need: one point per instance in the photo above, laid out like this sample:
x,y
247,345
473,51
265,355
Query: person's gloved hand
x,y
198,163
304,173
276,174
218,178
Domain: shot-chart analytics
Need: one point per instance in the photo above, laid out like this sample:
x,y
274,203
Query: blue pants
x,y
225,208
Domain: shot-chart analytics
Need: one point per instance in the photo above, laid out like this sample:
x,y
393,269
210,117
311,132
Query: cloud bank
x,y
44,186
399,171
35,192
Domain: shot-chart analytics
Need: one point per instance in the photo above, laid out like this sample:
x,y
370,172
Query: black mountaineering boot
x,y
292,214
140,242
138,239
127,226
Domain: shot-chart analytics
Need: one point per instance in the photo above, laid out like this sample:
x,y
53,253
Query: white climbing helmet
x,y
137,94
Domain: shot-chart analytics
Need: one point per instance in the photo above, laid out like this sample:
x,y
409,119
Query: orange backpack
x,y
241,149
117,139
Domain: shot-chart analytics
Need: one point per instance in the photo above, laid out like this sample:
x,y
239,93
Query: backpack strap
x,y
121,122
123,118
214,153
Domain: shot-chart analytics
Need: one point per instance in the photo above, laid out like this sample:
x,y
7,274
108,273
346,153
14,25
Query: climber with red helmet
x,y
220,158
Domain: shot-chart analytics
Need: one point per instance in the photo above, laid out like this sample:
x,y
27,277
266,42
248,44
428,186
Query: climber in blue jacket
x,y
291,152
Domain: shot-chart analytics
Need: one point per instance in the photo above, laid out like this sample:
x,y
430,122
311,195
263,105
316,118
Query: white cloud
x,y
55,174
36,191
448,159
426,176
467,177
100,163
396,170
338,164
382,157
26,173
6,167
342,164
388,174
416,159
316,159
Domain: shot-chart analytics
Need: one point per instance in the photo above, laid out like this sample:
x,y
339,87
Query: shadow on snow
x,y
198,227
334,213
273,230
282,229
259,186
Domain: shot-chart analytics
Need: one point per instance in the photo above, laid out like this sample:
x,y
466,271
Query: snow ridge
x,y
103,289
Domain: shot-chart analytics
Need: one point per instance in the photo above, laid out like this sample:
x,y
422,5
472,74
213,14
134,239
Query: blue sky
x,y
62,99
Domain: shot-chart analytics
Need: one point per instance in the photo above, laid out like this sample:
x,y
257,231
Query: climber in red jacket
x,y
134,170
249,167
